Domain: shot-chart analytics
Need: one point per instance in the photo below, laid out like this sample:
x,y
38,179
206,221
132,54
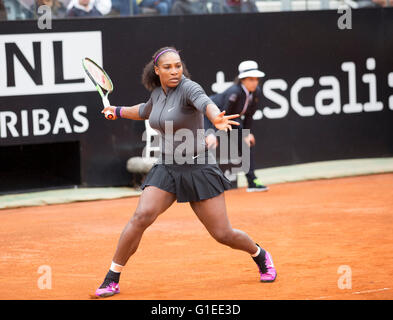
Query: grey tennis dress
x,y
185,166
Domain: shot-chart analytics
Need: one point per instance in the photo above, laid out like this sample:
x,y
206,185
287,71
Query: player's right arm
x,y
140,111
126,112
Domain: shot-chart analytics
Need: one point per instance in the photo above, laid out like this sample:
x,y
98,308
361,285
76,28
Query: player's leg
x,y
152,202
213,215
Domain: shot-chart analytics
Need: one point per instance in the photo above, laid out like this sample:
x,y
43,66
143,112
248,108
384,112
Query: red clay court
x,y
311,228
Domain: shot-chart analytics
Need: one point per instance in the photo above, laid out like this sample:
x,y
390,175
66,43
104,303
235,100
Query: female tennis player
x,y
181,103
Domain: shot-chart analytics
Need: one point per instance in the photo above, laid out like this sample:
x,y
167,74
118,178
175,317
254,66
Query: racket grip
x,y
109,115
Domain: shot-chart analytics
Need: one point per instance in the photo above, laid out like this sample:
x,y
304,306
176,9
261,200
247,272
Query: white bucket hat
x,y
249,68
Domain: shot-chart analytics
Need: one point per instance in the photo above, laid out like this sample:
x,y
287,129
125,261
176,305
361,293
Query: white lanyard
x,y
248,98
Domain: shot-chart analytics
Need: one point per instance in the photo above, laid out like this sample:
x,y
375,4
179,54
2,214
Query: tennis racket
x,y
101,81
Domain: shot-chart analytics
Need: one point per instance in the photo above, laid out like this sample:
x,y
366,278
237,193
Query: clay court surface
x,y
311,229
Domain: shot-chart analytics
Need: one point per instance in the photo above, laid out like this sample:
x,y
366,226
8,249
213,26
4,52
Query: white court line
x,y
357,292
369,291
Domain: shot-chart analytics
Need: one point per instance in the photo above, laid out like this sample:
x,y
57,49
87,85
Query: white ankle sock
x,y
256,253
116,267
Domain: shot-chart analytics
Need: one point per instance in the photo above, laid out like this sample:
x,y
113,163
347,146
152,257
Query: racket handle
x,y
109,115
105,101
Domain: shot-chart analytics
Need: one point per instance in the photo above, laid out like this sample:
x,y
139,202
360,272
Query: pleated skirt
x,y
189,182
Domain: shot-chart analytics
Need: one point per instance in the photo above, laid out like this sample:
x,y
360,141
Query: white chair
x,y
143,164
150,134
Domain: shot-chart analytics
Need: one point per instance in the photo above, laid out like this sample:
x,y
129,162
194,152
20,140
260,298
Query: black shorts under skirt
x,y
190,182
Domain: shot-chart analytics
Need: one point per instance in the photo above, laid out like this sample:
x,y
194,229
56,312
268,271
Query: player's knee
x,y
143,218
224,236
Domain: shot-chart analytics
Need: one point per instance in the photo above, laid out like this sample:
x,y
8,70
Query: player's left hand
x,y
222,122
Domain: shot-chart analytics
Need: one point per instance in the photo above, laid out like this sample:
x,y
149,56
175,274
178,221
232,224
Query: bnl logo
x,y
46,63
13,52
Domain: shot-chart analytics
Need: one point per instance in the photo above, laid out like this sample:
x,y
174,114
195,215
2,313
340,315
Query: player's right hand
x,y
109,112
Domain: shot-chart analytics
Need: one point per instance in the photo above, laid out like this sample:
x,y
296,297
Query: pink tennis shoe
x,y
265,265
269,273
110,290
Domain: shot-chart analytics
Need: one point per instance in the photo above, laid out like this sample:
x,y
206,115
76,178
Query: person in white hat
x,y
243,98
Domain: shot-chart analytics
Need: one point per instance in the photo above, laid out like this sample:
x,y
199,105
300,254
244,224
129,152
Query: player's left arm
x,y
196,96
219,119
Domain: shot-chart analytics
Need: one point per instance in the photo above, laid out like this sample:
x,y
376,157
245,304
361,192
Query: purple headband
x,y
162,52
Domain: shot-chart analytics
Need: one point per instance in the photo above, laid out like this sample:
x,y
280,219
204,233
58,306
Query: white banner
x,y
46,63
